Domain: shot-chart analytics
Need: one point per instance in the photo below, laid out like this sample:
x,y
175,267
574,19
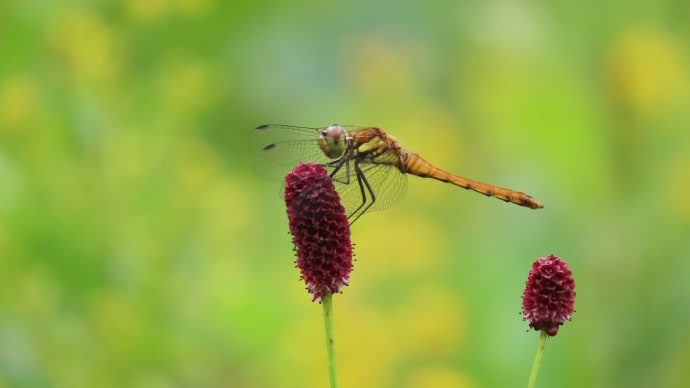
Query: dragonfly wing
x,y
387,183
280,148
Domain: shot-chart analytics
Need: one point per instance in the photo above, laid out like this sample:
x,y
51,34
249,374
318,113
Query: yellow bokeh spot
x,y
193,7
147,10
398,244
437,327
185,85
367,347
197,166
87,43
647,70
224,206
37,293
378,67
438,378
17,102
433,133
114,315
677,175
426,323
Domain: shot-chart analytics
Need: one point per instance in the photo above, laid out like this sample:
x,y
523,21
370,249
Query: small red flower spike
x,y
320,230
549,295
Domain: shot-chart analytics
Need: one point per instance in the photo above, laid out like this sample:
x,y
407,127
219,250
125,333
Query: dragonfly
x,y
368,166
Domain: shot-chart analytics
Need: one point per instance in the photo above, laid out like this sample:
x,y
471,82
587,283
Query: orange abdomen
x,y
415,164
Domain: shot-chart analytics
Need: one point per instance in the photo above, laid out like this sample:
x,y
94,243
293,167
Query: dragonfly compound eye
x,y
333,141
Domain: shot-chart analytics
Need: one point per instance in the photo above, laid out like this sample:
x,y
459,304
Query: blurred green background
x,y
138,248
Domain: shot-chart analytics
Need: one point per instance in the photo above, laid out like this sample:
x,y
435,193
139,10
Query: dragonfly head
x,y
333,141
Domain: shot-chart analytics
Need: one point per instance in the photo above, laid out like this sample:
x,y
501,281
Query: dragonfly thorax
x,y
333,141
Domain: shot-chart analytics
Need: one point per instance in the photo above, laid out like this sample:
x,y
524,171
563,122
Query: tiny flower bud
x,y
320,230
549,295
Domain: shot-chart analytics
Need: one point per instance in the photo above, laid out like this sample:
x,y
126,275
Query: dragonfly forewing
x,y
280,148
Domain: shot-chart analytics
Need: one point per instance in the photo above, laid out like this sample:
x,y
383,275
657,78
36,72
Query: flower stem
x,y
537,359
327,303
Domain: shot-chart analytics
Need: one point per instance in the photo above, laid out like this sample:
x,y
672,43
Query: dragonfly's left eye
x,y
332,141
333,134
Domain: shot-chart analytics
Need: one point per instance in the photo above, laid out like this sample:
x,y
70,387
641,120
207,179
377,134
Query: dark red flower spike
x,y
549,296
320,230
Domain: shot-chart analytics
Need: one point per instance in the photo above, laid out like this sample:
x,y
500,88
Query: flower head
x,y
549,296
320,230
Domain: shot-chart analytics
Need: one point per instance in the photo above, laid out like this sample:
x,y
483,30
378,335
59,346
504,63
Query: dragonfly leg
x,y
337,165
364,200
364,188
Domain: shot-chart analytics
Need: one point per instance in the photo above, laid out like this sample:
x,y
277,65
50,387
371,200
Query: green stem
x,y
537,359
327,303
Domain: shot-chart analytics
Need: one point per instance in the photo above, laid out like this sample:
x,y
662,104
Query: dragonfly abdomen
x,y
415,164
